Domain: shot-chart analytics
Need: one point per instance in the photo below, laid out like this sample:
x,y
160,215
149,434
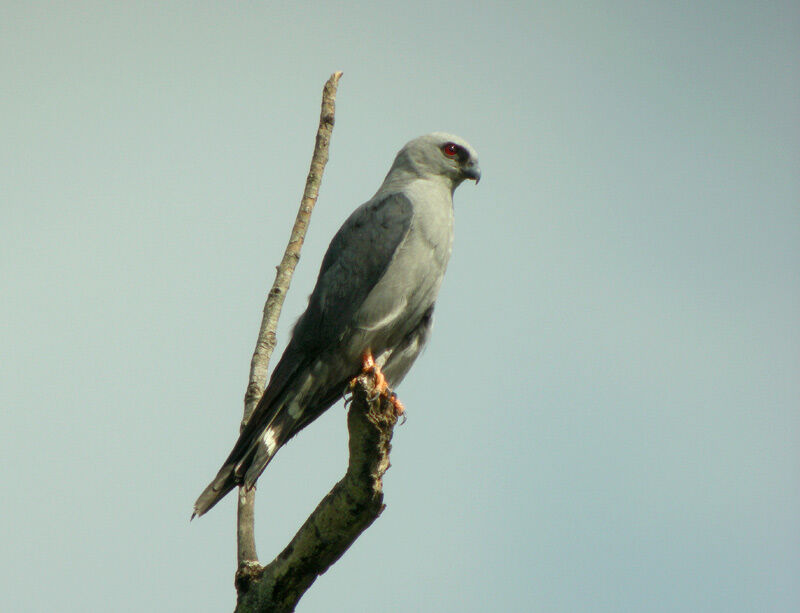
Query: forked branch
x,y
349,508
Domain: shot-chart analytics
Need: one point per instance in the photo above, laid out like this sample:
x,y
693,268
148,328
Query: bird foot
x,y
369,367
398,406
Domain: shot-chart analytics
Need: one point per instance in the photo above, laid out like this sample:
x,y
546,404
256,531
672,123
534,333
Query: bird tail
x,y
282,411
243,466
258,442
223,483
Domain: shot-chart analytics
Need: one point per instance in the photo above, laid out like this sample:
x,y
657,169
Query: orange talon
x,y
380,381
398,406
369,367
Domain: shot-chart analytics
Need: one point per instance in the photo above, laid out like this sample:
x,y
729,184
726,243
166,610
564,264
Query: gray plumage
x,y
375,292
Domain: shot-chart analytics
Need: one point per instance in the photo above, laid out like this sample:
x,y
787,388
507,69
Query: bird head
x,y
440,154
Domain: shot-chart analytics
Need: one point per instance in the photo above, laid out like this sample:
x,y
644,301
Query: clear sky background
x,y
607,417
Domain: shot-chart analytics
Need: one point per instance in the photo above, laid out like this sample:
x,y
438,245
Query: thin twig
x,y
259,365
349,508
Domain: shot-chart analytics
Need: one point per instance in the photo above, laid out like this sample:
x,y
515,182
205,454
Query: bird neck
x,y
399,179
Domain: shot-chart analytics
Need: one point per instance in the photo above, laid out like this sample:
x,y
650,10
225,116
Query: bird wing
x,y
357,258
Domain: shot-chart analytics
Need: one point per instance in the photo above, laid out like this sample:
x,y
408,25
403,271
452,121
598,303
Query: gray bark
x,y
349,508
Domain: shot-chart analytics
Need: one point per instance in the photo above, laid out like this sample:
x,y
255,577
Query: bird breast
x,y
411,282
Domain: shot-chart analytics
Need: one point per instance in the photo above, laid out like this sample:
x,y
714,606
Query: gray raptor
x,y
373,300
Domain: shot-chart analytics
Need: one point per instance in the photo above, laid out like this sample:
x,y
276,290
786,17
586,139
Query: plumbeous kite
x,y
371,309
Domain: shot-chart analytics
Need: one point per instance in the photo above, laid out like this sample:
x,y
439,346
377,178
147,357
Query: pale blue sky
x,y
606,418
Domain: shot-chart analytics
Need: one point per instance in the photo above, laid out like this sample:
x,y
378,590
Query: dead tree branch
x,y
245,537
349,508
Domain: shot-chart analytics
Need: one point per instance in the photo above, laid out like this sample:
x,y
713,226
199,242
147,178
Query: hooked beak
x,y
473,172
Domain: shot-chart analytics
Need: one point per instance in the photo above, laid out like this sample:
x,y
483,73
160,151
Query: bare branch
x,y
348,509
259,365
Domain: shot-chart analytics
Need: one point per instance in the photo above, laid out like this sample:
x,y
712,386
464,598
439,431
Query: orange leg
x,y
369,367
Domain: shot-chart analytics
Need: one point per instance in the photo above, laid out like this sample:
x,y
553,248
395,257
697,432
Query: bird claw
x,y
399,409
369,367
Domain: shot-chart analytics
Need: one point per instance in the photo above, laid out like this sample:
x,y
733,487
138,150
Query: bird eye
x,y
450,150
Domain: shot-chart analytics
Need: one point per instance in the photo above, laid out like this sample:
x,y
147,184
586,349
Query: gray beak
x,y
473,172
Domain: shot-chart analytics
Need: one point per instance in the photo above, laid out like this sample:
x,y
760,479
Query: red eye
x,y
450,150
